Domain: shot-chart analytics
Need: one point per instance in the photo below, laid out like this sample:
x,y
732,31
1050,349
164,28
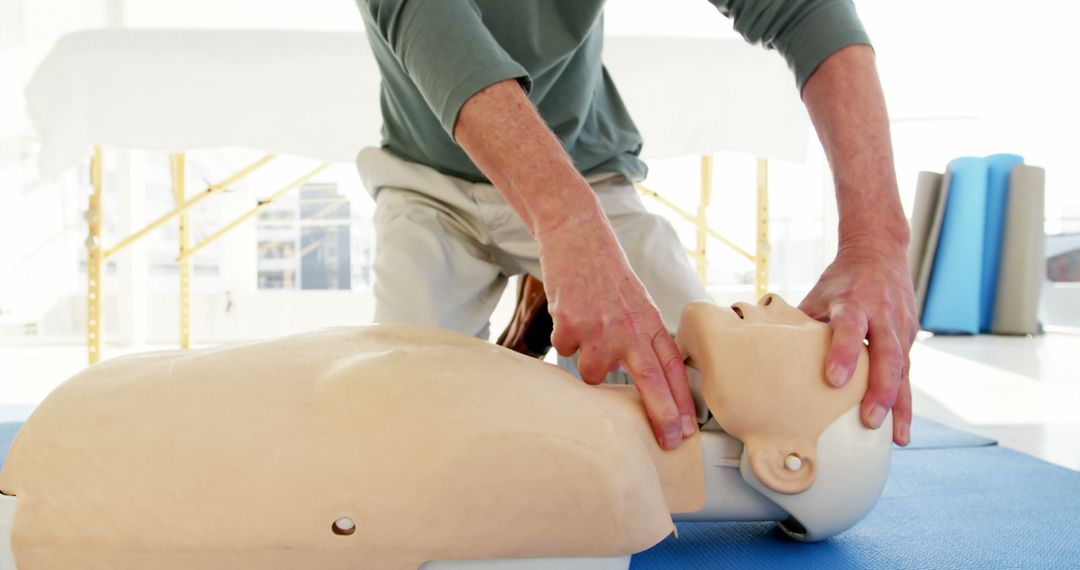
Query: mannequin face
x,y
763,376
769,313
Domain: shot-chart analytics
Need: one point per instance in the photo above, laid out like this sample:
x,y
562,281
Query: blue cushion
x,y
953,295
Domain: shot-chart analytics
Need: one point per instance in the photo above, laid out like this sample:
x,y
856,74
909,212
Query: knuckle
x,y
563,345
564,317
847,320
893,354
672,362
562,329
648,374
910,316
591,375
666,417
632,321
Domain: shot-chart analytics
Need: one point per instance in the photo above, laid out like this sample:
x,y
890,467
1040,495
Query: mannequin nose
x,y
745,310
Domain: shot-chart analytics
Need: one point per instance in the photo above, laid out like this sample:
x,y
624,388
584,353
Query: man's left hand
x,y
866,293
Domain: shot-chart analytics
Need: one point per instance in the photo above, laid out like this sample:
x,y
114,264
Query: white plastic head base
x,y
853,463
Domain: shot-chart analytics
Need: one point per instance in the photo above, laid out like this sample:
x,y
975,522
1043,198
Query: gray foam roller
x,y
930,193
1023,254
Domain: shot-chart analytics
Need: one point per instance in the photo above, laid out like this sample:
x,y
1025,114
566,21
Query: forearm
x,y
847,107
503,134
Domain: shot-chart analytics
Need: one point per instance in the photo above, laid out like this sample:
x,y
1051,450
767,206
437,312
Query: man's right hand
x,y
600,308
597,304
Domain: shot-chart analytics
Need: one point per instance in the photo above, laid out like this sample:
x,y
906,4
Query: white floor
x,y
1024,392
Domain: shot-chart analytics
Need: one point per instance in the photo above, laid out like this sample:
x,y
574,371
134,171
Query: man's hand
x,y
597,304
599,307
867,293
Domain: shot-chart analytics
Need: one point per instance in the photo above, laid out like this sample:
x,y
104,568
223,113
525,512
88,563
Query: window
x,y
307,241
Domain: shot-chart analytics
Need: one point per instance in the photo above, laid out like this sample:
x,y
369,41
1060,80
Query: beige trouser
x,y
445,247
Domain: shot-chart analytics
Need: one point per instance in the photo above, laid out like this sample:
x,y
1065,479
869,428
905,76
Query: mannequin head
x,y
763,377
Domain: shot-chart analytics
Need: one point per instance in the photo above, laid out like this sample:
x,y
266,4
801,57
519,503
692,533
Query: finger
x,y
902,410
672,364
564,339
655,392
594,363
887,361
849,330
812,305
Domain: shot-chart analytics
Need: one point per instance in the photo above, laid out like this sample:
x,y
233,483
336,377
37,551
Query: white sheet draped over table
x,y
316,94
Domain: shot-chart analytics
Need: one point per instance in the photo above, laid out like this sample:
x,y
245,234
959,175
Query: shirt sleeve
x,y
445,49
805,32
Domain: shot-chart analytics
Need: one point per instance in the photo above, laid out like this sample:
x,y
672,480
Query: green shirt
x,y
435,54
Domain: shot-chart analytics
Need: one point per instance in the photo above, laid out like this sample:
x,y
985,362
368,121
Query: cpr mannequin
x,y
397,446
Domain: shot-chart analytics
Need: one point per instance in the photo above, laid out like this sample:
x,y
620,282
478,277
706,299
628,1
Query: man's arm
x,y
597,304
867,291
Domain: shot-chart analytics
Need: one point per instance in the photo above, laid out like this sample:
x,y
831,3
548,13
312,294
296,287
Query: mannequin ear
x,y
787,469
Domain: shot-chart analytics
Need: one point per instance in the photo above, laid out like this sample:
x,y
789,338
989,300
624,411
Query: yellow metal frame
x,y
760,257
763,249
95,261
177,167
97,255
702,221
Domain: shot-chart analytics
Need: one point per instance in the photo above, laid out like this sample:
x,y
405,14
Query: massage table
x,y
315,95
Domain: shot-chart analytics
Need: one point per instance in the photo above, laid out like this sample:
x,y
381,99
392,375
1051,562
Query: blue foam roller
x,y
999,167
953,297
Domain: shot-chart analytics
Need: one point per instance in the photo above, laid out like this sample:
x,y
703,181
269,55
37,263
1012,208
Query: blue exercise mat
x,y
928,434
953,297
974,507
999,169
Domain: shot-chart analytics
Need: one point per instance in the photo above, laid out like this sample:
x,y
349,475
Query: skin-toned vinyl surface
x,y
434,445
763,369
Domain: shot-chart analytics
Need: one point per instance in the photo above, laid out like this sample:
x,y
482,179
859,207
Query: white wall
x,y
979,77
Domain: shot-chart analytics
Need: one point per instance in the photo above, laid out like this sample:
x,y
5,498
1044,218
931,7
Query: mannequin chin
x,y
432,447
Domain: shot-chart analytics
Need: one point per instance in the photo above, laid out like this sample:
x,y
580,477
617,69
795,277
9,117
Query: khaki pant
x,y
445,247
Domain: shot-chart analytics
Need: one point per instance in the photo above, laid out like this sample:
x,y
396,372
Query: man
x,y
499,106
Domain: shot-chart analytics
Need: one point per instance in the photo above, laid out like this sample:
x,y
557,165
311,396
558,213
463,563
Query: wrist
x,y
873,220
564,205
883,246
